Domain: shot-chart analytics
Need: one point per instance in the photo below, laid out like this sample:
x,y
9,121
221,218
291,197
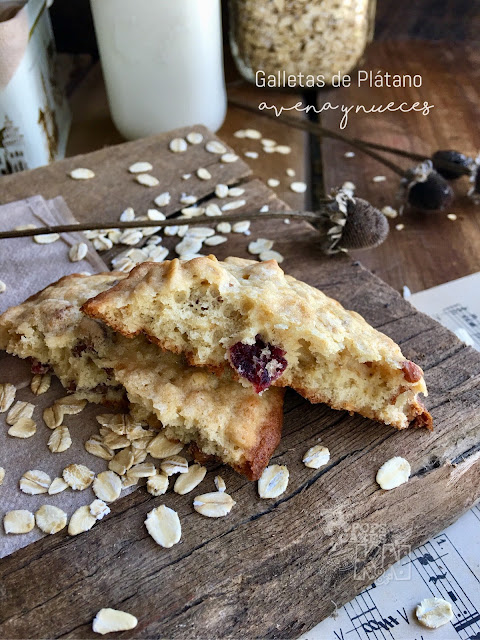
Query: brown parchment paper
x,y
27,267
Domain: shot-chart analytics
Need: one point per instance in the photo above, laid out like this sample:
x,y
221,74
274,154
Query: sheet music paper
x,y
448,565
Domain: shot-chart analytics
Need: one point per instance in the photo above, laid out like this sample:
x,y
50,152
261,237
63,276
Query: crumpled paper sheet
x,y
27,267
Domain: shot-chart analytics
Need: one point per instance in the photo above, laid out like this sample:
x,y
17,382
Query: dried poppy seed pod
x,y
426,189
350,223
451,165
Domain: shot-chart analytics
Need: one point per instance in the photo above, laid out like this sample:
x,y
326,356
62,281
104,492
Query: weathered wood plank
x,y
271,568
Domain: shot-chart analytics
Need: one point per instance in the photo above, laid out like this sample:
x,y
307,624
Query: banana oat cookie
x,y
270,329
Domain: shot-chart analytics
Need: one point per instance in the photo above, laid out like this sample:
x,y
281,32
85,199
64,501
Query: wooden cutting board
x,y
271,568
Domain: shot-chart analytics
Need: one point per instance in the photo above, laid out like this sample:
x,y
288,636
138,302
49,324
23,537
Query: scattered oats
x,y
252,134
234,204
259,245
251,154
240,133
142,470
224,227
20,410
128,215
71,405
290,173
204,174
157,485
271,255
96,447
153,240
188,199
220,483
147,180
379,178
236,192
182,230
160,447
273,182
154,214
268,149
78,252
81,174
174,464
390,212
264,209
222,190
228,158
24,227
393,473
121,461
60,440
194,137
18,521
178,145
273,481
316,457
215,146
78,476
349,154
186,482
213,210
128,482
186,176
268,142
214,241
163,525
115,441
46,238
214,505
287,221
23,428
158,254
58,485
3,286
163,199
406,293
193,212
53,417
98,509
50,519
200,232
139,456
2,475
188,245
451,216
131,237
102,243
34,482
140,167
172,230
241,227
125,265
298,187
81,520
434,612
109,620
91,234
283,149
107,486
114,235
400,227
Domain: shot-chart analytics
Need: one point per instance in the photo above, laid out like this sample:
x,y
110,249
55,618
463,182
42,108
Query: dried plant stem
x,y
138,224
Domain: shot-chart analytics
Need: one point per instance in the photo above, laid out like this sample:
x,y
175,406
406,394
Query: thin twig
x,y
138,224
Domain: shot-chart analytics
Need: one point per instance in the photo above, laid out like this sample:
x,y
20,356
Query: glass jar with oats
x,y
299,43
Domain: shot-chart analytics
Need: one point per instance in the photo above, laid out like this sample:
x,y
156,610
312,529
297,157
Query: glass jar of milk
x,y
163,63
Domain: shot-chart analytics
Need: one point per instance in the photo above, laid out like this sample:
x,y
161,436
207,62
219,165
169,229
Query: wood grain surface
x,y
431,249
271,568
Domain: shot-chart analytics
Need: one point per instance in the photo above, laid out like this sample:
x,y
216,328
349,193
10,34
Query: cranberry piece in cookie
x,y
39,368
260,363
